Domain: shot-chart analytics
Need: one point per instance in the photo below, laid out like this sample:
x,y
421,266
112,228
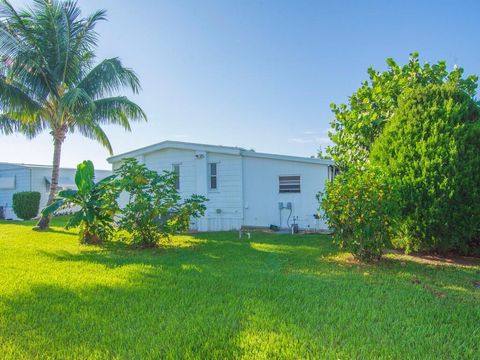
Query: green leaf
x,y
84,176
53,207
75,220
68,194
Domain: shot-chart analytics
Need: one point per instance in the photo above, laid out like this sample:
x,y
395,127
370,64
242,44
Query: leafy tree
x,y
25,204
361,207
96,203
359,122
48,80
431,148
322,154
154,209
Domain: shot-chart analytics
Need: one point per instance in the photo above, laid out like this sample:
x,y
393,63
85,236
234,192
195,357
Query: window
x,y
333,171
212,173
7,182
176,171
289,184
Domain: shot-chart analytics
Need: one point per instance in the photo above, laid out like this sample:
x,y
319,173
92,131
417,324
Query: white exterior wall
x,y
164,160
224,208
32,178
262,196
21,183
39,184
247,186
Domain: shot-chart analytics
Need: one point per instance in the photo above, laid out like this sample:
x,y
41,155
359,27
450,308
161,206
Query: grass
x,y
215,296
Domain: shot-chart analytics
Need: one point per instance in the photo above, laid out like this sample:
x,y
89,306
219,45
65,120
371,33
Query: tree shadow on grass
x,y
55,230
273,296
57,221
149,321
33,232
187,304
310,256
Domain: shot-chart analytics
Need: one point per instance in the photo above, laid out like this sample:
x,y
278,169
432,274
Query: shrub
x,y
155,209
431,148
26,204
361,207
359,122
96,202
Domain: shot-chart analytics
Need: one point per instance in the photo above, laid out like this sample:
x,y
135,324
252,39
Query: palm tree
x,y
48,80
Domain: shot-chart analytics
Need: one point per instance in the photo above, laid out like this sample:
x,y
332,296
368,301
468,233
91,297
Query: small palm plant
x,y
96,203
49,80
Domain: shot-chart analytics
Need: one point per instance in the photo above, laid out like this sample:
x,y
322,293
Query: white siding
x,y
32,178
262,192
39,184
224,208
247,184
163,160
22,183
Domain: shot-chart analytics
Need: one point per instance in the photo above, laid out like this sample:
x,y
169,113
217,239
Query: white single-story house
x,y
26,177
245,188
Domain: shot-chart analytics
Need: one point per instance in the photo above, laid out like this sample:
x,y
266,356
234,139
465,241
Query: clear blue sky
x,y
256,74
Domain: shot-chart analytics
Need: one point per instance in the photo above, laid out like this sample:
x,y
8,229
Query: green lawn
x,y
214,296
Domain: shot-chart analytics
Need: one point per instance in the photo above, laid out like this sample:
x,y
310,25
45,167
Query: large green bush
x,y
431,149
361,207
361,120
155,209
26,204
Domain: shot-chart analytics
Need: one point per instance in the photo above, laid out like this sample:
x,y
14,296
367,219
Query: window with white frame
x,y
289,184
212,176
176,171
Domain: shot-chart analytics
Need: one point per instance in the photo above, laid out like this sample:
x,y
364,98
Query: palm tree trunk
x,y
59,138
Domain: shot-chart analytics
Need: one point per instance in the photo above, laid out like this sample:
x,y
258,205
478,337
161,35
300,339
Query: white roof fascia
x,y
253,154
176,145
215,149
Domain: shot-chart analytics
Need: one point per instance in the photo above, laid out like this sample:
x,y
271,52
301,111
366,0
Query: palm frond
x,y
76,40
52,37
117,110
95,132
8,126
76,100
109,77
13,98
11,123
84,40
9,43
84,31
27,56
